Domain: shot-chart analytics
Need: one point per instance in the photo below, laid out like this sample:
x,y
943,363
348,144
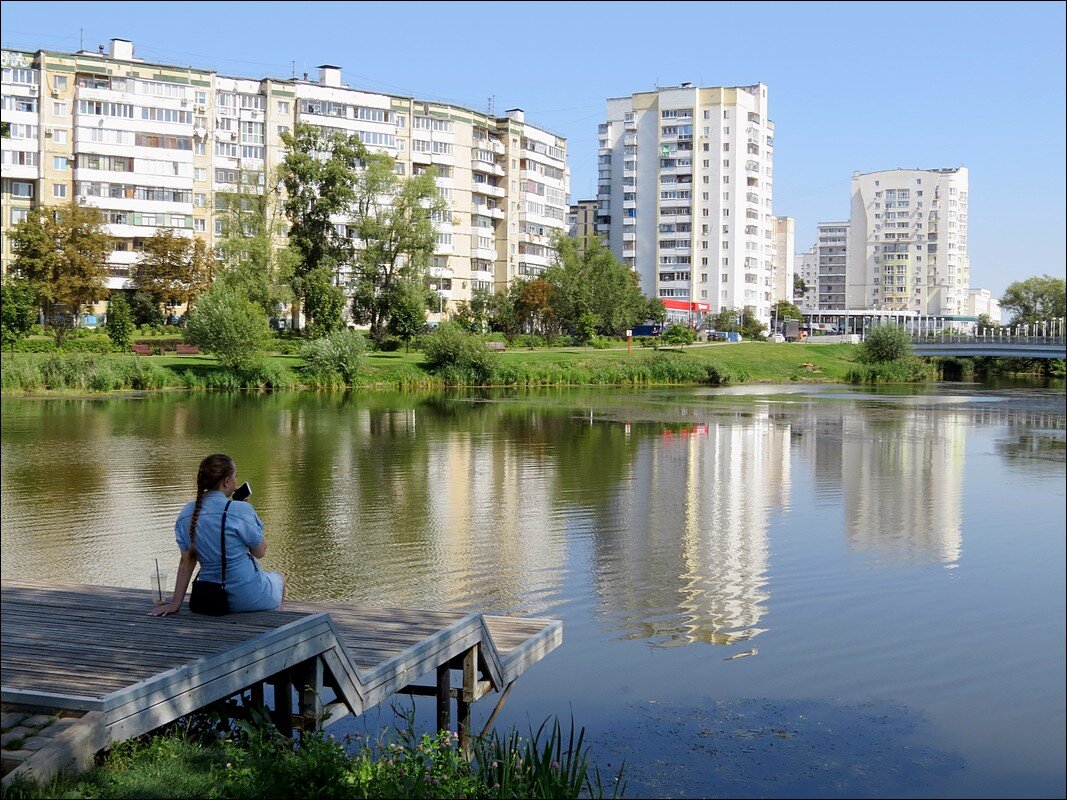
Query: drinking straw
x,y
159,582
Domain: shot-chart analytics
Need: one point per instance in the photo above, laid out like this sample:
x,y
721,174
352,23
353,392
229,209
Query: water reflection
x,y
664,503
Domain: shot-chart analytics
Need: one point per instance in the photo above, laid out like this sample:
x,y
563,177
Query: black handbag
x,y
209,597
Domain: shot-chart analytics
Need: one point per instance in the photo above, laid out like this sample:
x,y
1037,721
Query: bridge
x,y
998,343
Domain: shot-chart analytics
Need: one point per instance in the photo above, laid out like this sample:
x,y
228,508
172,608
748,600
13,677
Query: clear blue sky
x,y
861,86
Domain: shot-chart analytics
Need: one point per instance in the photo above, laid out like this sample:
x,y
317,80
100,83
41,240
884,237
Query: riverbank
x,y
704,364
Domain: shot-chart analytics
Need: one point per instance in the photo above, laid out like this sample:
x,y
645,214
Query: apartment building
x,y
785,240
981,301
581,220
831,250
808,269
685,190
909,241
157,146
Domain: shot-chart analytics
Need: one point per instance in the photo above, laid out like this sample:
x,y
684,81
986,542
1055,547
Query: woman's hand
x,y
164,611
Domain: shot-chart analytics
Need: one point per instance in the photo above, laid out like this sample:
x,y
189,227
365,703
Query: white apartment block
x,y
157,146
831,249
785,240
981,301
808,268
909,241
685,190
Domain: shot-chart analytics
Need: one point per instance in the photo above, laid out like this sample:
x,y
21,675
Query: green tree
x,y
324,301
119,321
62,251
751,327
679,334
393,221
884,343
230,326
173,269
783,310
1036,299
146,311
985,322
656,312
474,315
18,310
320,171
593,282
251,219
408,310
800,288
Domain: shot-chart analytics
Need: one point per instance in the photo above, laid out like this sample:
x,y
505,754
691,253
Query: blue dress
x,y
247,586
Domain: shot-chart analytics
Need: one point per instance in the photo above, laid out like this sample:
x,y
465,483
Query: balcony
x,y
629,221
630,125
487,168
629,236
488,190
629,204
752,197
630,138
752,166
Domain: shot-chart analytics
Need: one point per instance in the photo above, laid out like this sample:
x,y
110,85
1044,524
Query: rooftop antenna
x,y
294,69
492,97
81,39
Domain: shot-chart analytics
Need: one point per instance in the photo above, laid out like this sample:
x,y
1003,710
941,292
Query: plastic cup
x,y
158,585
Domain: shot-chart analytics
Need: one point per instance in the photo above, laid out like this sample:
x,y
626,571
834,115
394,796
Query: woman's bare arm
x,y
181,583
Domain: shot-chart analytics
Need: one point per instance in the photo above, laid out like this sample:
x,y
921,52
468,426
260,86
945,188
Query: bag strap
x,y
224,542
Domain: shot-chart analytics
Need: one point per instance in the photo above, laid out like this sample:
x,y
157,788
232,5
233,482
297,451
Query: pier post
x,y
465,700
310,690
283,702
444,698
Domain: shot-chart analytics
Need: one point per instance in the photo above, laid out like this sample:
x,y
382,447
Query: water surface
x,y
895,558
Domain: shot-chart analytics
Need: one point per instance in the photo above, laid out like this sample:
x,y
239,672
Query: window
x,y
200,225
19,215
59,163
60,108
59,190
283,106
59,83
21,189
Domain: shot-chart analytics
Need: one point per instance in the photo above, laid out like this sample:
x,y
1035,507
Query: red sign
x,y
685,305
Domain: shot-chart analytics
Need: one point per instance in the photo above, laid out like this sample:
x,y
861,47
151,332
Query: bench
x,y
188,350
496,345
141,349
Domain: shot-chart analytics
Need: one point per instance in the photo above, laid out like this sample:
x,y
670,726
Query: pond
x,y
766,591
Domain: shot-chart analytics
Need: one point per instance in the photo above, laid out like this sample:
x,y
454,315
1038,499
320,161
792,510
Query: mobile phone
x,y
242,492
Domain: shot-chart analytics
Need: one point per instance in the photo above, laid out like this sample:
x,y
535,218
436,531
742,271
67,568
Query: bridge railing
x,y
991,337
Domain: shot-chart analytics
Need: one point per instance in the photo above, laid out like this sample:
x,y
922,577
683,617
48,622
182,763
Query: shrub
x,y
679,335
902,370
119,321
229,325
458,356
884,343
341,353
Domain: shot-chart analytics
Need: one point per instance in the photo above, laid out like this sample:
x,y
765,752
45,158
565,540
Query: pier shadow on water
x,y
773,748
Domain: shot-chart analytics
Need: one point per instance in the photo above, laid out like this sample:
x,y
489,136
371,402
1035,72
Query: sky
x,y
851,86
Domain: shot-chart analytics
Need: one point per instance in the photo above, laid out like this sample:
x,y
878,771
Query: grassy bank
x,y
716,364
197,759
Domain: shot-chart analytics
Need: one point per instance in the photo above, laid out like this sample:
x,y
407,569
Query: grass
x,y
714,364
199,757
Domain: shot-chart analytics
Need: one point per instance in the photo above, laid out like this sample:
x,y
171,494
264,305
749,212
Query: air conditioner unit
x,y
48,131
201,109
55,93
33,88
233,136
185,103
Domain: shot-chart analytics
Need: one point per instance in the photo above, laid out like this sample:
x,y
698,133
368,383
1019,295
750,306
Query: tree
x,y
884,343
656,312
985,322
319,172
533,307
474,315
679,334
229,325
119,321
324,302
251,222
145,309
408,305
62,251
800,288
18,310
783,309
173,269
1035,299
592,282
393,222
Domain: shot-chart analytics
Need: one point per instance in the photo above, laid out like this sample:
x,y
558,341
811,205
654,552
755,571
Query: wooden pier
x,y
93,650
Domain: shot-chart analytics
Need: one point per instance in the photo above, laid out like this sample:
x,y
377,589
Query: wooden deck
x,y
94,649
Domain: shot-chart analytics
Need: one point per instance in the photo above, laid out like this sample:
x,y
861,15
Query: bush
x,y
902,370
119,321
339,354
679,335
458,356
230,326
82,372
884,343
